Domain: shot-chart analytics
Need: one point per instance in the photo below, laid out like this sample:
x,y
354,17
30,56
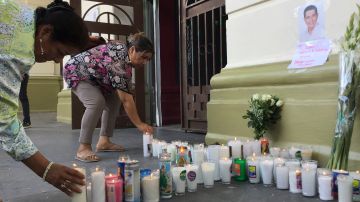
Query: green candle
x,y
239,168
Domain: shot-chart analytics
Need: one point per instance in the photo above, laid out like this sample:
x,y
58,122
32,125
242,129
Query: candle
x,y
224,152
356,185
292,163
147,139
160,147
80,197
88,190
308,179
225,174
179,179
213,153
295,153
324,180
266,167
154,145
111,177
198,158
295,180
132,181
277,161
256,147
309,164
191,175
253,169
235,148
282,176
284,153
345,188
335,173
239,169
182,157
247,149
98,184
114,190
306,154
274,151
208,169
150,187
172,150
166,184
264,142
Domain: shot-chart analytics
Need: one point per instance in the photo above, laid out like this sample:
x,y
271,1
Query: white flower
x,y
256,96
266,97
117,79
272,102
91,70
279,103
86,59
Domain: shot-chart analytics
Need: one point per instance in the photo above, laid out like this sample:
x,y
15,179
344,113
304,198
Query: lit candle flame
x,y
235,138
357,172
74,165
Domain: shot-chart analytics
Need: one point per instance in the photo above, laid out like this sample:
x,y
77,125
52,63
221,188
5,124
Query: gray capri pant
x,y
96,104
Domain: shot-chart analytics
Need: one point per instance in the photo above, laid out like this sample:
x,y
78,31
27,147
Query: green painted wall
x,y
42,93
64,107
309,112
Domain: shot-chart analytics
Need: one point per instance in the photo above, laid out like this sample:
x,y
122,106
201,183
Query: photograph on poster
x,y
312,21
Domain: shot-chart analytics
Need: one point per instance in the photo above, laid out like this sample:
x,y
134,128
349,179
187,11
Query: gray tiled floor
x,y
59,143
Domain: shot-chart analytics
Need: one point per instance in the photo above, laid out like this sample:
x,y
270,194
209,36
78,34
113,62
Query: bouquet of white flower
x,y
264,111
349,80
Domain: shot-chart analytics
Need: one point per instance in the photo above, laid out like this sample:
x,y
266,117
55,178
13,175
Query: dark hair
x,y
309,8
68,27
140,42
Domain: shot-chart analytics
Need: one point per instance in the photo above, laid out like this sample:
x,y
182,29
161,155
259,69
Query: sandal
x,y
111,148
90,157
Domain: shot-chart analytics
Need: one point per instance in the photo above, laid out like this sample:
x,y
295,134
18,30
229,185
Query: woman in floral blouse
x,y
27,37
101,78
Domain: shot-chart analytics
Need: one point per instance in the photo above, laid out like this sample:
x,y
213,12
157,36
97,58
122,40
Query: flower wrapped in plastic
x,y
349,77
264,110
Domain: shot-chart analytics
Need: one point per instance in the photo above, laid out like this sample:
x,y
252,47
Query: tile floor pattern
x,y
59,143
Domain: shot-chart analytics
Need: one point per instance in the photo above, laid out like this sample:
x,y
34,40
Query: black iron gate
x,y
114,20
203,54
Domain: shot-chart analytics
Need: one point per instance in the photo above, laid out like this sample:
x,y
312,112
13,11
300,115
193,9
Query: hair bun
x,y
59,5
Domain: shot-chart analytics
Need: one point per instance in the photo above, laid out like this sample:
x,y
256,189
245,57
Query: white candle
x,y
225,174
309,164
324,181
292,163
208,170
154,145
295,180
267,166
191,175
247,148
282,176
345,188
235,147
213,154
172,150
98,184
147,139
306,154
150,187
308,179
277,161
356,185
179,179
198,158
274,151
256,147
159,147
80,197
224,152
253,169
335,173
284,153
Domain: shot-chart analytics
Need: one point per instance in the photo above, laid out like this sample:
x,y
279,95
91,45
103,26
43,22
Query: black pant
x,y
24,99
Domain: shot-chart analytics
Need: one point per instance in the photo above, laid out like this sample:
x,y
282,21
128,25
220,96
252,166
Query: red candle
x,y
114,190
111,177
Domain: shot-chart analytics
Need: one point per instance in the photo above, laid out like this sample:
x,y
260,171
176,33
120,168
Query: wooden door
x,y
203,54
115,20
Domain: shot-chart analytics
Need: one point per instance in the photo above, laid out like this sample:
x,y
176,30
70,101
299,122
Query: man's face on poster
x,y
311,17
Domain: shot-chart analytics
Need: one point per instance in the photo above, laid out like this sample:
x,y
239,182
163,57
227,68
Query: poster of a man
x,y
312,22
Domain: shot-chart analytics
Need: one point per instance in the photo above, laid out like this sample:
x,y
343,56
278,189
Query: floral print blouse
x,y
107,66
16,57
